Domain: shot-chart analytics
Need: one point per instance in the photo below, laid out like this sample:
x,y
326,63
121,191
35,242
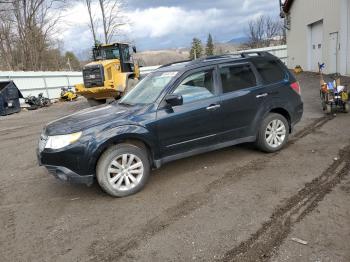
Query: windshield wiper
x,y
125,104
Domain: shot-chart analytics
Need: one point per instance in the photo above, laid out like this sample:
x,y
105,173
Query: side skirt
x,y
159,162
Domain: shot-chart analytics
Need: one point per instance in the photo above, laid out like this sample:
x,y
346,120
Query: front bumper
x,y
69,165
65,174
101,92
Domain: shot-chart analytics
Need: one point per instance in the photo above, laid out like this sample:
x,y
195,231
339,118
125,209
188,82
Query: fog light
x,y
62,176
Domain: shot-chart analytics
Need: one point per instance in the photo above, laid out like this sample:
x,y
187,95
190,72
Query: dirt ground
x,y
235,204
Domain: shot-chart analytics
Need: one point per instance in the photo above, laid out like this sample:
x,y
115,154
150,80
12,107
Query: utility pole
x,y
68,63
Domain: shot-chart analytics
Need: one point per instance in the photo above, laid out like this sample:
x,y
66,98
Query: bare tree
x,y
263,31
92,20
26,30
112,18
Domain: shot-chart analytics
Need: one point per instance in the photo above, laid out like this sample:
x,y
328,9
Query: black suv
x,y
177,111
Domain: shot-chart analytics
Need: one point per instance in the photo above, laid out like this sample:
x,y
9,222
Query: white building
x,y
318,31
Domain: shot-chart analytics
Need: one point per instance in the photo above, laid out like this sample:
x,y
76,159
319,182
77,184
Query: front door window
x,y
196,87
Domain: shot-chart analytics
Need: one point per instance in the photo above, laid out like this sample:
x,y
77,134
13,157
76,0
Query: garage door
x,y
316,45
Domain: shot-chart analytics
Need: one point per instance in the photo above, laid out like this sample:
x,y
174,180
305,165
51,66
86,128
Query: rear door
x,y
196,123
241,98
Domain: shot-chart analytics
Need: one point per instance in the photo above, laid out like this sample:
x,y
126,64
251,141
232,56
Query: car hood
x,y
90,117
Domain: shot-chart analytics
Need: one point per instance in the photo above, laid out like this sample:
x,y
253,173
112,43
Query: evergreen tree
x,y
196,49
209,50
72,61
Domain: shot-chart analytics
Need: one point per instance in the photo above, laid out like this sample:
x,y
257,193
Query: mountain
x,y
239,40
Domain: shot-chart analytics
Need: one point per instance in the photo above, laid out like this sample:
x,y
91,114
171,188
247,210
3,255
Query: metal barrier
x,y
50,83
280,51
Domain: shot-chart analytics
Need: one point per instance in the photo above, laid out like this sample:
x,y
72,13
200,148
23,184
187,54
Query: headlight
x,y
57,142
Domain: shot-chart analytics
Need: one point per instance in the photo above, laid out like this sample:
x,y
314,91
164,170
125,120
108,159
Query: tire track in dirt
x,y
264,243
8,230
115,250
316,124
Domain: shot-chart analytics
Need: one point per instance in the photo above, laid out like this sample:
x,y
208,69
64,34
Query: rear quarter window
x,y
270,71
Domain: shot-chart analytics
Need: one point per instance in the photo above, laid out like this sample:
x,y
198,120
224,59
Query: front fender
x,y
105,138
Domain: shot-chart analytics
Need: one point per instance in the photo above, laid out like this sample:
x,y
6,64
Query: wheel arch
x,y
282,111
131,138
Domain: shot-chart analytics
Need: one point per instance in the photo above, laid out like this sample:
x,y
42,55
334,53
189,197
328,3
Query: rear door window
x,y
270,71
236,77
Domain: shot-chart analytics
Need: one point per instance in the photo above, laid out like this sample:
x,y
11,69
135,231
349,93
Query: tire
x,y
278,136
115,178
132,82
94,102
346,108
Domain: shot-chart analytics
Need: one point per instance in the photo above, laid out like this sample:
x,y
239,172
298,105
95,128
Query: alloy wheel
x,y
125,172
275,133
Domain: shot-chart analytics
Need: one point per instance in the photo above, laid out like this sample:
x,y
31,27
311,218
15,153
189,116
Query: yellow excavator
x,y
112,73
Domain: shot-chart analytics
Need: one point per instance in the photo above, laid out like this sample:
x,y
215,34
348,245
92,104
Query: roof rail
x,y
223,56
174,63
258,53
216,57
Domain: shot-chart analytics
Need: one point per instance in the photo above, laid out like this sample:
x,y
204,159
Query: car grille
x,y
93,76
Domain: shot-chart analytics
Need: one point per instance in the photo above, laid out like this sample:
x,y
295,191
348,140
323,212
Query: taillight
x,y
296,87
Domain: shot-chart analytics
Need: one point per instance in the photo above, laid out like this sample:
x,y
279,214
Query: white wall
x,y
280,51
303,14
48,83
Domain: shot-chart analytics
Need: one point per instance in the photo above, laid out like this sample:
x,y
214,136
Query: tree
x,y
209,50
92,20
72,61
196,49
112,18
26,30
263,30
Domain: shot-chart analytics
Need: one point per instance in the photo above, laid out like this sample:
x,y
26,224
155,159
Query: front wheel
x,y
123,170
273,133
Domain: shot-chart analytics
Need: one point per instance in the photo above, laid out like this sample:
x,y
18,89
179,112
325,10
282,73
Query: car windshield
x,y
148,90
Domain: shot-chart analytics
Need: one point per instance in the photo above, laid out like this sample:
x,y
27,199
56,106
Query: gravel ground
x,y
235,204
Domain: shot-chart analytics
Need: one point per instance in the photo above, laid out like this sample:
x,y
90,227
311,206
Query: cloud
x,y
170,23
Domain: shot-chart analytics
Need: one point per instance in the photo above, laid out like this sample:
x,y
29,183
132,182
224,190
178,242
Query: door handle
x,y
262,95
213,107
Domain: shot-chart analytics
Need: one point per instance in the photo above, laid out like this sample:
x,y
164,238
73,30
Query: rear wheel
x,y
94,102
123,170
273,133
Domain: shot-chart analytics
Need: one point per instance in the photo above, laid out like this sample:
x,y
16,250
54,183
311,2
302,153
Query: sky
x,y
163,24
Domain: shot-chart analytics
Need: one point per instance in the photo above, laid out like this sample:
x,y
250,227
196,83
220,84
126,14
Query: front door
x,y
316,45
196,122
333,53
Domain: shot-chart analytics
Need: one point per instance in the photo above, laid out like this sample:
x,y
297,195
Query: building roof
x,y
287,5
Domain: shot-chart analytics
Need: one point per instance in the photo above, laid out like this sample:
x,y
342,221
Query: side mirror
x,y
134,49
174,100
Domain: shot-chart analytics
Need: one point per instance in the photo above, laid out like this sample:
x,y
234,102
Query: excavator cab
x,y
112,73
